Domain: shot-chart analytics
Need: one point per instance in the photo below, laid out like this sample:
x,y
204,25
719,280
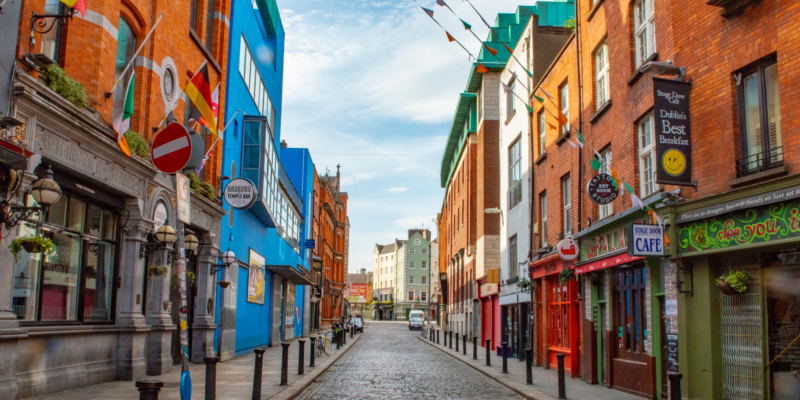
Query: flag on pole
x,y
79,5
195,116
123,109
199,92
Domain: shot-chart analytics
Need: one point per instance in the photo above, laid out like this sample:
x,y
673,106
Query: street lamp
x,y
45,192
190,242
228,258
164,235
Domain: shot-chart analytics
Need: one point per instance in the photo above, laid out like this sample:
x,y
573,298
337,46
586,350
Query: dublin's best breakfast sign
x,y
672,132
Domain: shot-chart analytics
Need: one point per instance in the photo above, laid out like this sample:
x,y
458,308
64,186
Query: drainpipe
x,y
580,113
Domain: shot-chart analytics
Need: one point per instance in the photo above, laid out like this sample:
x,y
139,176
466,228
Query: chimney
x,y
363,271
283,144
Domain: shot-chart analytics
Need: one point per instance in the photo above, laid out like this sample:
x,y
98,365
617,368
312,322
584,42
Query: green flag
x,y
466,25
541,100
596,164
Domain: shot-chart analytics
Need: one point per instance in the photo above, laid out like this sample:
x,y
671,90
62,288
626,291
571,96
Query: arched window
x,y
126,46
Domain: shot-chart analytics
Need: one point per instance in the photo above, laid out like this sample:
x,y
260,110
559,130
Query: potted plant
x,y
566,275
32,244
733,283
190,278
157,271
524,285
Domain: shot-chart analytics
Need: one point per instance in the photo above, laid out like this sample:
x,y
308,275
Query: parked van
x,y
415,319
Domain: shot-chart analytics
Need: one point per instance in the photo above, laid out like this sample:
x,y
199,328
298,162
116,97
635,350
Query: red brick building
x,y
330,234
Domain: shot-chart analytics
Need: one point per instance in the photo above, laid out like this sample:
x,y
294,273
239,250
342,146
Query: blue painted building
x,y
265,300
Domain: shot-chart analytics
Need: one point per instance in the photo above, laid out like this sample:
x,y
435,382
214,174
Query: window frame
x,y
512,257
543,217
759,70
424,264
411,264
602,89
563,102
511,106
566,203
515,188
645,28
646,152
542,133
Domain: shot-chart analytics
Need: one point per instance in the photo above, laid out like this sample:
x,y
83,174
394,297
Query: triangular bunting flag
x,y
482,68
574,146
530,109
506,88
449,37
551,126
466,25
547,94
580,137
491,50
541,100
596,164
427,11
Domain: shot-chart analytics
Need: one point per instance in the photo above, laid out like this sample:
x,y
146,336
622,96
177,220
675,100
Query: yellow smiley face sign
x,y
674,162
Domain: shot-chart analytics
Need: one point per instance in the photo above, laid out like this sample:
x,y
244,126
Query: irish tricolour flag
x,y
123,110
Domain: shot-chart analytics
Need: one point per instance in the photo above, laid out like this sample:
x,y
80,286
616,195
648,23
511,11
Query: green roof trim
x,y
269,14
508,29
467,102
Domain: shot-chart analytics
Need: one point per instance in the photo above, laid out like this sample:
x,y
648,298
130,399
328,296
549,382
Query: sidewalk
x,y
234,378
545,382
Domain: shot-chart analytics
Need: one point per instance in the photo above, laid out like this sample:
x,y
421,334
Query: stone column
x,y
204,325
131,344
157,315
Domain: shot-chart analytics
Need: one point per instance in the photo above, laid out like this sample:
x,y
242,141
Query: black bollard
x,y
257,373
438,336
529,366
211,377
285,364
457,342
675,386
464,347
344,336
338,338
451,339
474,347
445,338
313,350
300,367
562,390
504,349
488,353
148,389
352,331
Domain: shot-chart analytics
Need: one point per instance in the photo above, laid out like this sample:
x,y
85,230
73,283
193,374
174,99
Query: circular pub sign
x,y
240,194
601,189
567,249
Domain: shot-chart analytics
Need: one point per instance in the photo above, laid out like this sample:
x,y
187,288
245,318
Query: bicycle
x,y
323,345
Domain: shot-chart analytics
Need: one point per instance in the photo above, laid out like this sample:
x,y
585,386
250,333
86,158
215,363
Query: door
x,y
562,324
663,314
632,366
783,315
600,315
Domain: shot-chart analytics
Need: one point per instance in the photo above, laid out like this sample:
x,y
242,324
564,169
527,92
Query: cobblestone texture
x,y
389,363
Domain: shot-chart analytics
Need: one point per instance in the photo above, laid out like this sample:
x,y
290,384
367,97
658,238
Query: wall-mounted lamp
x,y
45,191
164,236
227,258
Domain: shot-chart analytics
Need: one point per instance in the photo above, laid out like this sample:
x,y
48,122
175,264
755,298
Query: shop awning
x,y
291,274
12,156
605,263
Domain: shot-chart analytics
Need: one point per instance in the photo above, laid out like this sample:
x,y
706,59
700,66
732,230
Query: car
x,y
358,323
415,319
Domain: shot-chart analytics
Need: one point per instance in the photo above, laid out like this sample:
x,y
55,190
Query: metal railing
x,y
759,162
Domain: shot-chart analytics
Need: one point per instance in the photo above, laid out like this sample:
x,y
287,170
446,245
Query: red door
x,y
562,324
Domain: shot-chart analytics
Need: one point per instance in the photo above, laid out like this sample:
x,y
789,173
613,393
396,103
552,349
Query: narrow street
x,y
388,362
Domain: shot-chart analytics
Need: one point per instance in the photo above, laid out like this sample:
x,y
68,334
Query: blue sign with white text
x,y
646,240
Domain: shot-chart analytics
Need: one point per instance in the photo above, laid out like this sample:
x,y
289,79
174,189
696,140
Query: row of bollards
x,y
150,389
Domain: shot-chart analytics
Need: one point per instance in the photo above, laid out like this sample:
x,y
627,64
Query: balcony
x,y
759,162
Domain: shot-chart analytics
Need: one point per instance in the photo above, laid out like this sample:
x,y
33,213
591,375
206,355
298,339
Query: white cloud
x,y
396,190
416,221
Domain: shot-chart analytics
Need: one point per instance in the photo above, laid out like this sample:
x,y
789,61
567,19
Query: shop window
x,y
514,174
560,309
76,283
512,257
630,301
647,155
644,30
760,118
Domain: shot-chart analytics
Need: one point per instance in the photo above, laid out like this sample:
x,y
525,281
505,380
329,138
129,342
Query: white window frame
x,y
424,251
411,251
423,295
515,169
647,156
602,89
605,210
542,133
411,280
412,294
424,280
644,30
543,210
510,104
563,94
566,193
411,264
424,264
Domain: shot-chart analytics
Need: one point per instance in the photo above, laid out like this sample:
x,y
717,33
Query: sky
x,y
372,86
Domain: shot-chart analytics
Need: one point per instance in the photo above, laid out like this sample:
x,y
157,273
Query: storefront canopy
x,y
291,274
605,263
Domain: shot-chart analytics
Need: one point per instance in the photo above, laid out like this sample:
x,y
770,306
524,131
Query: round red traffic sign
x,y
172,148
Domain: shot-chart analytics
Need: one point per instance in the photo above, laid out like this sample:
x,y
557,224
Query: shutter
x,y
604,342
741,333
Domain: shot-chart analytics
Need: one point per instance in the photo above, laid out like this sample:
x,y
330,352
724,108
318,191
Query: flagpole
x,y
221,132
133,59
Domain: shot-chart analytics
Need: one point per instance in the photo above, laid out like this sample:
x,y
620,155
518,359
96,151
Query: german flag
x,y
79,5
199,92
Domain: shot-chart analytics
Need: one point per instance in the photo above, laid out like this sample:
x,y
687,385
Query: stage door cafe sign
x,y
742,228
646,240
672,132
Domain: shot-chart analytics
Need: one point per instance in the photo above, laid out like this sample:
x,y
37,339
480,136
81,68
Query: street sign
x,y
172,149
184,198
240,194
567,249
646,240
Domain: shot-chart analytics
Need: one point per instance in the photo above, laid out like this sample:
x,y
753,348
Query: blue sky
x,y
378,78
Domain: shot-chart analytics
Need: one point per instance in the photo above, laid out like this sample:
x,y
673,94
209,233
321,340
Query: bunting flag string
x,y
481,16
561,117
511,51
449,36
516,77
581,141
508,89
467,27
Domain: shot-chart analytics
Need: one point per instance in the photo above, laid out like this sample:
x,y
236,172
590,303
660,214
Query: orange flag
x,y
491,50
450,38
482,68
553,127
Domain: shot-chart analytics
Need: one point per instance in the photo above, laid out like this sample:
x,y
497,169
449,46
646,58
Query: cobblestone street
x,y
388,362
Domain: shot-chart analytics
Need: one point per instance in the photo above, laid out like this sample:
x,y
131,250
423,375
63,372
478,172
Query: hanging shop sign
x,y
673,132
171,149
602,189
184,198
567,249
240,194
645,240
159,216
742,228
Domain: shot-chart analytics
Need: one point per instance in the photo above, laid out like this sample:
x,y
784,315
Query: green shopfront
x,y
740,345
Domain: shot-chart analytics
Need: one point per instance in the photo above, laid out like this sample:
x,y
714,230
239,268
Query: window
x,y
51,41
255,85
126,47
410,294
411,251
630,315
411,279
601,75
423,295
759,106
209,24
514,174
424,280
564,99
542,133
411,264
561,306
424,251
607,209
77,282
567,201
647,154
424,264
510,99
512,257
543,217
644,30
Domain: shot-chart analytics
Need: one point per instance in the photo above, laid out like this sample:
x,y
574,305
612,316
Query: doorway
x,y
783,317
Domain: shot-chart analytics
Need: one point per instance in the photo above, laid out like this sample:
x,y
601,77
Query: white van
x,y
415,319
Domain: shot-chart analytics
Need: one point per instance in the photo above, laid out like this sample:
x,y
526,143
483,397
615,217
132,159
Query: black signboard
x,y
672,353
602,189
316,291
672,132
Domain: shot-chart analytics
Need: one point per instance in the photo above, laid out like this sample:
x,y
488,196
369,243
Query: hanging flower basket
x,y
733,283
33,245
727,289
567,274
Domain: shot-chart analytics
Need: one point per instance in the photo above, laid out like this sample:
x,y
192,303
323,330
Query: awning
x,y
549,265
606,263
291,274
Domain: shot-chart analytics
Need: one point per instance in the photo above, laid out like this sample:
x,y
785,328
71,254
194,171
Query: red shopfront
x,y
556,313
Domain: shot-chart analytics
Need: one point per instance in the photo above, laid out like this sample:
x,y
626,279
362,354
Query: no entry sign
x,y
172,148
